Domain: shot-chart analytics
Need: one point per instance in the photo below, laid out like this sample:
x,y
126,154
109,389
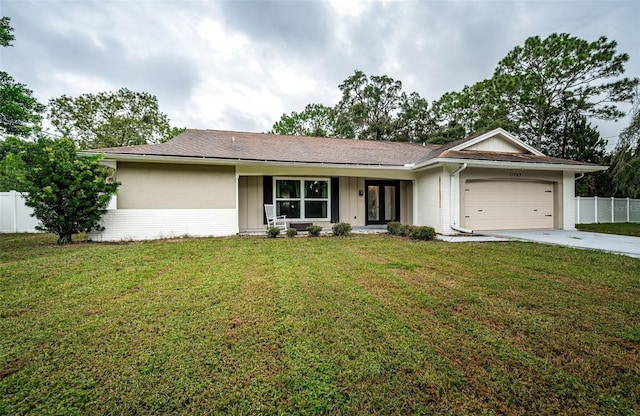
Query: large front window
x,y
304,198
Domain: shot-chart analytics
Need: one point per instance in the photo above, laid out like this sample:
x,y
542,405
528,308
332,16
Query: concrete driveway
x,y
620,244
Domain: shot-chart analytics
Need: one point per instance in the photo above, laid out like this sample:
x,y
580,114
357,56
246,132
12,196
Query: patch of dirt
x,y
13,367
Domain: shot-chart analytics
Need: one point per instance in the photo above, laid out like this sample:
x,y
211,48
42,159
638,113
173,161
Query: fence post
x,y
595,208
628,210
14,211
613,210
577,210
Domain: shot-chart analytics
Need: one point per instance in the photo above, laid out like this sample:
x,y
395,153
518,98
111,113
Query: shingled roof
x,y
233,145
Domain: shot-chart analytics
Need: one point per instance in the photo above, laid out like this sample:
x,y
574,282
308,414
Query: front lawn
x,y
621,228
356,325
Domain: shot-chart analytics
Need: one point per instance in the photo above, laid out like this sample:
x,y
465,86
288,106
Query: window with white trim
x,y
302,198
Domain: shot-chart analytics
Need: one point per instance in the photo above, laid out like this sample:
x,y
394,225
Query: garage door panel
x,y
502,205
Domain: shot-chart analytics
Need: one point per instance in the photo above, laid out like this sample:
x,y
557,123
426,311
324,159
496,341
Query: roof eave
x,y
511,165
124,157
407,167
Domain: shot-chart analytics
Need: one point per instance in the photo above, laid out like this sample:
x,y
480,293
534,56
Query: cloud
x,y
301,28
222,43
240,65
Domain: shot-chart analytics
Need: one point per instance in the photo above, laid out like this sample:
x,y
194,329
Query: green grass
x,y
621,228
358,325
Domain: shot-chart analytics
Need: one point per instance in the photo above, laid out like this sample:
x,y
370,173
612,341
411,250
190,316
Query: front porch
x,y
368,204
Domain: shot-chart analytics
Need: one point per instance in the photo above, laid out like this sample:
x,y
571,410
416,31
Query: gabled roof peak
x,y
472,141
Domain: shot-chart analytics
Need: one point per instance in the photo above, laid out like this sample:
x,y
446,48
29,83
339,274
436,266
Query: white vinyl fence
x,y
15,216
595,209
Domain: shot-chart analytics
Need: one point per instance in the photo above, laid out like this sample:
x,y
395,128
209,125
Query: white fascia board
x,y
120,157
511,165
505,134
235,162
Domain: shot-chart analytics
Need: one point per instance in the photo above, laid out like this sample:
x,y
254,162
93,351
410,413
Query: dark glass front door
x,y
383,201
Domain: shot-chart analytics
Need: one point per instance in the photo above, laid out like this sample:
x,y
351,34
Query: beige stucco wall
x,y
173,186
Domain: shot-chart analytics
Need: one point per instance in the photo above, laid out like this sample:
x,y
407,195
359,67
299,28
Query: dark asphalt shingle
x,y
233,145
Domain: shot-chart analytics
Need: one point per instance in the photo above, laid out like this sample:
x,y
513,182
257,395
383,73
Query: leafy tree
x,y
625,161
575,138
6,36
448,133
414,122
19,111
12,167
549,78
316,120
109,119
68,193
475,109
368,106
372,108
598,183
175,131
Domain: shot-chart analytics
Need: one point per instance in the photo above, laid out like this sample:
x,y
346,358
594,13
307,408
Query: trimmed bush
x,y
292,232
405,230
314,230
341,229
416,232
394,228
273,232
423,232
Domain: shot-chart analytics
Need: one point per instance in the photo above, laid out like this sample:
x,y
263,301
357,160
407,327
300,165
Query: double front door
x,y
383,201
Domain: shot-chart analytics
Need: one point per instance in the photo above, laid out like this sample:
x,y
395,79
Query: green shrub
x,y
405,230
422,233
69,194
416,232
273,232
394,228
341,229
314,230
292,232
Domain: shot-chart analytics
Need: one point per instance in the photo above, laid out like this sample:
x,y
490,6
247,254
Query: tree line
x,y
545,91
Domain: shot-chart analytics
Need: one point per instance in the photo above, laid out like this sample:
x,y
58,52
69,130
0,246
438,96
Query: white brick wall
x,y
149,224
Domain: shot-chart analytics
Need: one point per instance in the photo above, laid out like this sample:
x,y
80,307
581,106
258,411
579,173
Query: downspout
x,y
451,200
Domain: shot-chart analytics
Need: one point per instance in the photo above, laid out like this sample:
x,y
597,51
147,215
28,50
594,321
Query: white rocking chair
x,y
274,220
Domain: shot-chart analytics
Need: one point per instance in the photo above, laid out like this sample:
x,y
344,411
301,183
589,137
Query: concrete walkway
x,y
620,244
471,238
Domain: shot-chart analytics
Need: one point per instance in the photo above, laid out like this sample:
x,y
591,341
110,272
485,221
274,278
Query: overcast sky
x,y
239,65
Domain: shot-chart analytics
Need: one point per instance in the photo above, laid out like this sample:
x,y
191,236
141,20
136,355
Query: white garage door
x,y
507,205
